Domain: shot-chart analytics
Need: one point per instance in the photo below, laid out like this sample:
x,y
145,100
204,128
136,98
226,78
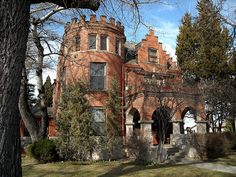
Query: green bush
x,y
43,151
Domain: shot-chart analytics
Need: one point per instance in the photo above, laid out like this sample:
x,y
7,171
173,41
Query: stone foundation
x,y
180,140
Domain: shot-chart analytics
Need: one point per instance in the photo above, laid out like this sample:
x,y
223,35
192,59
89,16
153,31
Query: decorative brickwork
x,y
96,49
76,64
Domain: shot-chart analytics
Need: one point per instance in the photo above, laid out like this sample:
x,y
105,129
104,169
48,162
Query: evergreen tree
x,y
186,43
48,91
74,126
209,58
112,139
202,47
114,109
214,42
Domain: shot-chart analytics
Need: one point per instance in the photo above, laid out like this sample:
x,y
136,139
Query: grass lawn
x,y
112,169
227,160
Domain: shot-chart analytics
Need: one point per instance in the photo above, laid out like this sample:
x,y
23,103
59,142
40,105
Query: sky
x,y
165,19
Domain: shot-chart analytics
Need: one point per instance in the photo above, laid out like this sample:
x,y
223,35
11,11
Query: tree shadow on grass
x,y
131,167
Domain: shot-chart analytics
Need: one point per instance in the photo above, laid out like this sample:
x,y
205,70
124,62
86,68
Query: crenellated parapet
x,y
110,23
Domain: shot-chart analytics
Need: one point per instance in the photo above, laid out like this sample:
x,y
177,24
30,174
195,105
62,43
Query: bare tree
x,y
220,97
41,46
168,98
14,21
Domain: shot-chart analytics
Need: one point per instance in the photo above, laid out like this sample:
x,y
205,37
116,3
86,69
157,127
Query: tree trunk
x,y
25,112
39,78
14,15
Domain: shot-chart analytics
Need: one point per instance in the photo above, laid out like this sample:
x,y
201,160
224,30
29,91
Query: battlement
x,y
103,21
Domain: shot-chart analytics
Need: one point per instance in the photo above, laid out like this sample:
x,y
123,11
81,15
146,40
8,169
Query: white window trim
x,y
96,46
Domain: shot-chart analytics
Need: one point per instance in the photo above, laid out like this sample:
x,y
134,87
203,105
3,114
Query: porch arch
x,y
190,119
132,121
161,126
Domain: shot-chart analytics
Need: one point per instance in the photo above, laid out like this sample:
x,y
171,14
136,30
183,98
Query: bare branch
x,y
48,15
83,4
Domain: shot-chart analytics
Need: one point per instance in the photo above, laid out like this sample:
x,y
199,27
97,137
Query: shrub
x,y
138,147
74,125
43,151
217,145
231,136
213,145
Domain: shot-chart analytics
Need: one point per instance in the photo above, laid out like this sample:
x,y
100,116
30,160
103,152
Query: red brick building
x,y
95,51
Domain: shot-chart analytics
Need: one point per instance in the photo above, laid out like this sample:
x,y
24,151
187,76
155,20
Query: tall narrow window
x,y
97,76
117,46
92,41
63,77
103,42
98,116
152,55
77,43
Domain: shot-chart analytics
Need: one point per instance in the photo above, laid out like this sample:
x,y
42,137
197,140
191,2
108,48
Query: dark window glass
x,y
103,41
92,41
97,76
98,124
77,43
117,46
152,55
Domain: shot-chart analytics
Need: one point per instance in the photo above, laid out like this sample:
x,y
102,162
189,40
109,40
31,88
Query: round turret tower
x,y
94,51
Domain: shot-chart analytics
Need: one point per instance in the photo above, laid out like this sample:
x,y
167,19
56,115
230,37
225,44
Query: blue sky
x,y
165,19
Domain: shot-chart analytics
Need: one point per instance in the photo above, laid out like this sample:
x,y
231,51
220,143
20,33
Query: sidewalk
x,y
216,167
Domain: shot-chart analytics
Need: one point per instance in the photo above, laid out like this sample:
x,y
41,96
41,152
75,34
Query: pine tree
x,y
112,139
114,109
214,42
210,58
186,44
48,91
203,45
74,126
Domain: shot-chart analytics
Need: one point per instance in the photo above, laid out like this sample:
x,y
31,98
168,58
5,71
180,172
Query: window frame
x,y
96,88
106,44
89,45
152,56
99,125
77,43
117,46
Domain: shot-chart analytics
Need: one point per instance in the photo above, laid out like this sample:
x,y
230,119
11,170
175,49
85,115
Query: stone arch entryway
x,y
133,122
189,118
161,126
136,120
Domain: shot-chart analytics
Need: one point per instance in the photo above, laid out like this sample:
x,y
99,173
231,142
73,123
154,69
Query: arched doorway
x,y
133,120
189,120
136,119
161,126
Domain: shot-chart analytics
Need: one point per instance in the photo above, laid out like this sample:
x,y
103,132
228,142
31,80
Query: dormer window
x,y
103,42
152,55
92,41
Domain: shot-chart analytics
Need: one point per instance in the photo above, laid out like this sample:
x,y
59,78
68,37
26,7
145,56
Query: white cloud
x,y
167,33
46,72
166,7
